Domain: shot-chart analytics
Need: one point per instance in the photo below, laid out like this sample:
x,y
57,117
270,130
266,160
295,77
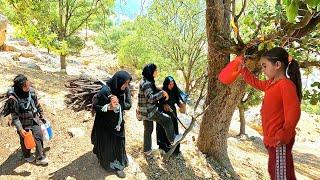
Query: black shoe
x,y
121,174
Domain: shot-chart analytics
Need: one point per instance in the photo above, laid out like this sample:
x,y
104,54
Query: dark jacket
x,y
24,110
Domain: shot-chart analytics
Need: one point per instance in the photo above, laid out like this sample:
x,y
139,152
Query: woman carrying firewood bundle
x,y
108,136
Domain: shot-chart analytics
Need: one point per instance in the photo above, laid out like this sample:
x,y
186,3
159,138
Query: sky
x,y
129,9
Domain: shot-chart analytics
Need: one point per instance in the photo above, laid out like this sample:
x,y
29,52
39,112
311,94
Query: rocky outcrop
x,y
3,29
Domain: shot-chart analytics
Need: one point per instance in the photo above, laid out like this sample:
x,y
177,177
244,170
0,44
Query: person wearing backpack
x,y
108,134
27,115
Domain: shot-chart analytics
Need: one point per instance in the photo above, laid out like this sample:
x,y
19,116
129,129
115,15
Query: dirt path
x,y
72,157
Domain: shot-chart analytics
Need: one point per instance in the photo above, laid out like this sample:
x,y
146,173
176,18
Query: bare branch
x,y
235,18
306,64
233,8
193,120
72,7
244,4
201,93
256,32
90,12
67,17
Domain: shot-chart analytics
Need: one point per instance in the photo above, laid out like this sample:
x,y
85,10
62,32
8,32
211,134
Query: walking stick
x,y
171,111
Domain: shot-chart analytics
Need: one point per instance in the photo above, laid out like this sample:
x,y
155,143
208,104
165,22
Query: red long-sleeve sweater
x,y
280,111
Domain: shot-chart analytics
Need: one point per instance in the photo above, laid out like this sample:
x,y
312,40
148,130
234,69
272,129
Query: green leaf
x,y
315,84
314,100
292,11
307,94
278,8
286,2
313,3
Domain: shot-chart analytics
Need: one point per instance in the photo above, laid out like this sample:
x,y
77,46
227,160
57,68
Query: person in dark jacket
x,y
168,107
27,115
147,109
108,135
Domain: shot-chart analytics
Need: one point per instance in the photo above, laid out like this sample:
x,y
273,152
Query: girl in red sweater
x,y
280,109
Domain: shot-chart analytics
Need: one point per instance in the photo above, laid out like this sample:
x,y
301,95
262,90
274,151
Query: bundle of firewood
x,y
81,92
3,97
4,111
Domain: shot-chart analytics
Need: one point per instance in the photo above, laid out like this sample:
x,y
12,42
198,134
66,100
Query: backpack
x,y
9,107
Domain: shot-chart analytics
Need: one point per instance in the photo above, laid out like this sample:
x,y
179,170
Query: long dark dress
x,y
174,98
109,144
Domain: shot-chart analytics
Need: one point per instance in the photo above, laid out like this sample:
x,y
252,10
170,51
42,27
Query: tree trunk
x,y
242,120
86,32
62,33
188,85
215,124
63,62
186,77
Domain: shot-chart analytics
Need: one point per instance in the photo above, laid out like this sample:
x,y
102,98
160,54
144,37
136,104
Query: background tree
x,y
250,98
109,38
270,29
54,24
171,35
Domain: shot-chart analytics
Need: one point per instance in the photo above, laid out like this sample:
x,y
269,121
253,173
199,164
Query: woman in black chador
x,y
108,136
168,107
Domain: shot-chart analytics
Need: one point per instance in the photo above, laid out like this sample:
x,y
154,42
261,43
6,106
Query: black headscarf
x,y
147,73
166,83
117,80
18,83
175,90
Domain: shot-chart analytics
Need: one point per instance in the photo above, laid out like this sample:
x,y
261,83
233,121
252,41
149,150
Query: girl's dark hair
x,y
147,73
19,81
176,91
292,68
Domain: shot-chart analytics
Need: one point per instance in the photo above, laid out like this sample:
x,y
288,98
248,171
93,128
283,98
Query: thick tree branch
x,y
67,18
308,28
307,25
305,21
234,22
306,64
293,28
